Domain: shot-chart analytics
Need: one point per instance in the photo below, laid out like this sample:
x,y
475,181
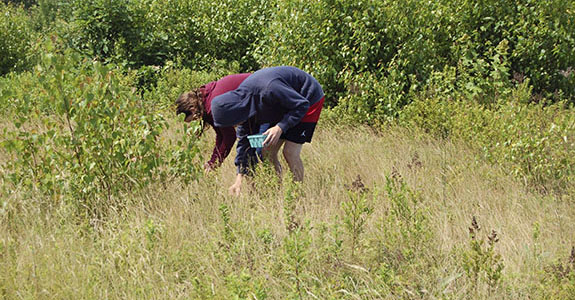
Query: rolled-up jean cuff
x,y
241,170
245,170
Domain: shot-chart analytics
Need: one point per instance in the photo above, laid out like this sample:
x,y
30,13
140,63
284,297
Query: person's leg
x,y
271,153
292,153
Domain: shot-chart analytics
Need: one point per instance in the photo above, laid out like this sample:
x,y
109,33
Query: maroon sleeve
x,y
225,139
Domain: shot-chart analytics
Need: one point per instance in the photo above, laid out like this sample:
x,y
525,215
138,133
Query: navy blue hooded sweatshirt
x,y
276,95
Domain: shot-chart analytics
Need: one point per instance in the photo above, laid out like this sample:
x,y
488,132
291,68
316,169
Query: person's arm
x,y
246,156
225,139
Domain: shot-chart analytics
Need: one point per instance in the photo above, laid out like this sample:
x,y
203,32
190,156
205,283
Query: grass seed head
x,y
395,175
357,186
493,238
415,162
474,227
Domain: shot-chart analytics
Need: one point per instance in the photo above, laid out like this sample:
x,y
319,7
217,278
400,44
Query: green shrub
x,y
534,141
409,40
542,36
164,30
25,3
337,40
48,13
150,32
102,26
232,28
372,100
334,39
81,134
16,37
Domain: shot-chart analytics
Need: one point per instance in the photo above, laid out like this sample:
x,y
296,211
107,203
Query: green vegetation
x,y
411,236
443,167
16,38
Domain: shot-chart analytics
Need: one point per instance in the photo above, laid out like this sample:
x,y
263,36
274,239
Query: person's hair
x,y
191,103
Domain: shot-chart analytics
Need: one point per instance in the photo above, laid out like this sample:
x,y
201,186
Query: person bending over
x,y
286,99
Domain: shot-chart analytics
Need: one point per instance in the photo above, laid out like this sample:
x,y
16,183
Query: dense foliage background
x,y
87,90
341,42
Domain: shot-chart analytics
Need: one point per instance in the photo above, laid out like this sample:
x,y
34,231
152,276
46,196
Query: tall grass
x,y
279,241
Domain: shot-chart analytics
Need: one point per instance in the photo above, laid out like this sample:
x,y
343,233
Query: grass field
x,y
407,234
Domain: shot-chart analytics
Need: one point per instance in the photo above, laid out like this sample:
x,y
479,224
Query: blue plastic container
x,y
256,140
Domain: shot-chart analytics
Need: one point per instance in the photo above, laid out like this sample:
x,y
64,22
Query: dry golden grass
x,y
172,243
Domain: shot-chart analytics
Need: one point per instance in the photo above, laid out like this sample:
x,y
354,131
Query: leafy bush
x,y
233,27
372,100
329,39
372,57
26,3
80,132
164,30
150,32
542,39
16,36
345,44
52,16
535,141
102,26
409,40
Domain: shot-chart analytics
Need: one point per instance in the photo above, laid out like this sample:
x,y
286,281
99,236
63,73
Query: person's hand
x,y
208,168
236,188
273,136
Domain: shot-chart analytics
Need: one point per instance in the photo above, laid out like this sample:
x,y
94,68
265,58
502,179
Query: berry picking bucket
x,y
257,140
